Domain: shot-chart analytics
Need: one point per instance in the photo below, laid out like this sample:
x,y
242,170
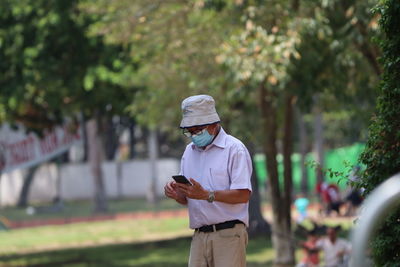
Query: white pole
x,y
381,201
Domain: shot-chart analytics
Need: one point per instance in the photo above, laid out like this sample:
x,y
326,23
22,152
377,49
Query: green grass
x,y
91,234
172,252
85,208
137,242
143,242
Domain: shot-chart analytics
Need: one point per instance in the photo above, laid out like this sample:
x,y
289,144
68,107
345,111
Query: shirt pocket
x,y
219,179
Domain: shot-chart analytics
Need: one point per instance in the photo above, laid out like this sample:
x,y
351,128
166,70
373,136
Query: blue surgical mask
x,y
202,139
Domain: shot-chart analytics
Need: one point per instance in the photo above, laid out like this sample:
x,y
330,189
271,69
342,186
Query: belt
x,y
218,226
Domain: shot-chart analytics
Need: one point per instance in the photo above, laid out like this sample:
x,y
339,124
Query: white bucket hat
x,y
198,110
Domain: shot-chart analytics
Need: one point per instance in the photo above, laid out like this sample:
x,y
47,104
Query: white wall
x,y
77,183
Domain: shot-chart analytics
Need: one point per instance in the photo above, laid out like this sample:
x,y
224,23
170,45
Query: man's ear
x,y
215,128
211,129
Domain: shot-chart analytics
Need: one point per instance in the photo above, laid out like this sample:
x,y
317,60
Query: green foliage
x,y
174,41
383,147
224,47
340,176
51,68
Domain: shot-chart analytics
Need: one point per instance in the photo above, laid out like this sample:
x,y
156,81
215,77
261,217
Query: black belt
x,y
218,226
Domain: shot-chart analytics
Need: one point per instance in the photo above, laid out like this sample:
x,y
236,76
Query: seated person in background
x,y
336,250
334,199
301,204
322,197
353,201
311,252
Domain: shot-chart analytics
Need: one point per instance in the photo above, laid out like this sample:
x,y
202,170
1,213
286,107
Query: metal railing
x,y
381,201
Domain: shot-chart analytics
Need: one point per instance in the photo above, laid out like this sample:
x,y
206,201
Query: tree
x,y
53,70
263,64
381,155
178,41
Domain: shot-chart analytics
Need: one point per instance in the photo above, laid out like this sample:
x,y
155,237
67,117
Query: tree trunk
x,y
258,226
132,140
281,233
119,178
85,139
96,156
59,177
110,140
153,156
287,157
319,139
269,126
303,152
283,244
24,194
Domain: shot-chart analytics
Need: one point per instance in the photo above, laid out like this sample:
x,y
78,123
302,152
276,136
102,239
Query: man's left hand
x,y
195,191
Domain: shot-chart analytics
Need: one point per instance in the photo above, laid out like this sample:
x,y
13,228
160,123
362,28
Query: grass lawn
x,y
142,242
85,209
133,242
160,253
91,234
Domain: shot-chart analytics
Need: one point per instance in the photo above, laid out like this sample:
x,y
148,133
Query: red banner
x,y
21,150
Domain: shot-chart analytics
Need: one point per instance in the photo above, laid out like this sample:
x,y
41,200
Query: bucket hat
x,y
198,110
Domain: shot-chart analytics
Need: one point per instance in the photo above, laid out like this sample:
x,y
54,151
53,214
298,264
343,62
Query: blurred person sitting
x,y
311,251
320,189
301,204
353,198
334,200
336,250
330,198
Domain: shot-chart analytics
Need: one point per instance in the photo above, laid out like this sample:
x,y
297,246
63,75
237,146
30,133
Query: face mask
x,y
203,139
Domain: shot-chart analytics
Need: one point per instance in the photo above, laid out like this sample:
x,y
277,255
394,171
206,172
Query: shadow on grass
x,y
161,253
173,253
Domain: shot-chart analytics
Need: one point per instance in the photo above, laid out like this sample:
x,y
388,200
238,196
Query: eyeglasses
x,y
188,133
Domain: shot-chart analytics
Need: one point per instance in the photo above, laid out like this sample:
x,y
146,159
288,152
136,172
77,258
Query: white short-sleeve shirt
x,y
332,249
223,165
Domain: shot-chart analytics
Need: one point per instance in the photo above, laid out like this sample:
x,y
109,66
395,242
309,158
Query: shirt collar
x,y
219,141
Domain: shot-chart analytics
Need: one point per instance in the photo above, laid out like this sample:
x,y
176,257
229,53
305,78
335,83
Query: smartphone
x,y
181,179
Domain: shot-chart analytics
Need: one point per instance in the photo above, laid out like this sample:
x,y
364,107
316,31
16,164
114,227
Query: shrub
x,y
381,155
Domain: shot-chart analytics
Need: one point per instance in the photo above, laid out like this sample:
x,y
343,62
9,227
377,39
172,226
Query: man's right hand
x,y
172,191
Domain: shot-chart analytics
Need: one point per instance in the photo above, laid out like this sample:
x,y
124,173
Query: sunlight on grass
x,y
89,234
85,209
156,242
260,250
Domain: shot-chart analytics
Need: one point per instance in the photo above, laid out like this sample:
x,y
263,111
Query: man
x,y
219,167
336,250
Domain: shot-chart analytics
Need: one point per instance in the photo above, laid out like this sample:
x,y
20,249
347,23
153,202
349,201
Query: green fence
x,y
338,160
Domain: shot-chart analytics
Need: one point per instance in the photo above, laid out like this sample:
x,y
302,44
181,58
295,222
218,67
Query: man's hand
x,y
172,191
341,253
195,191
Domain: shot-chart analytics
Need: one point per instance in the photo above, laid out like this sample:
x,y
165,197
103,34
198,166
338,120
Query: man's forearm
x,y
234,196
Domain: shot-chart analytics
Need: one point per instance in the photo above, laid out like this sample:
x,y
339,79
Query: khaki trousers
x,y
223,248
